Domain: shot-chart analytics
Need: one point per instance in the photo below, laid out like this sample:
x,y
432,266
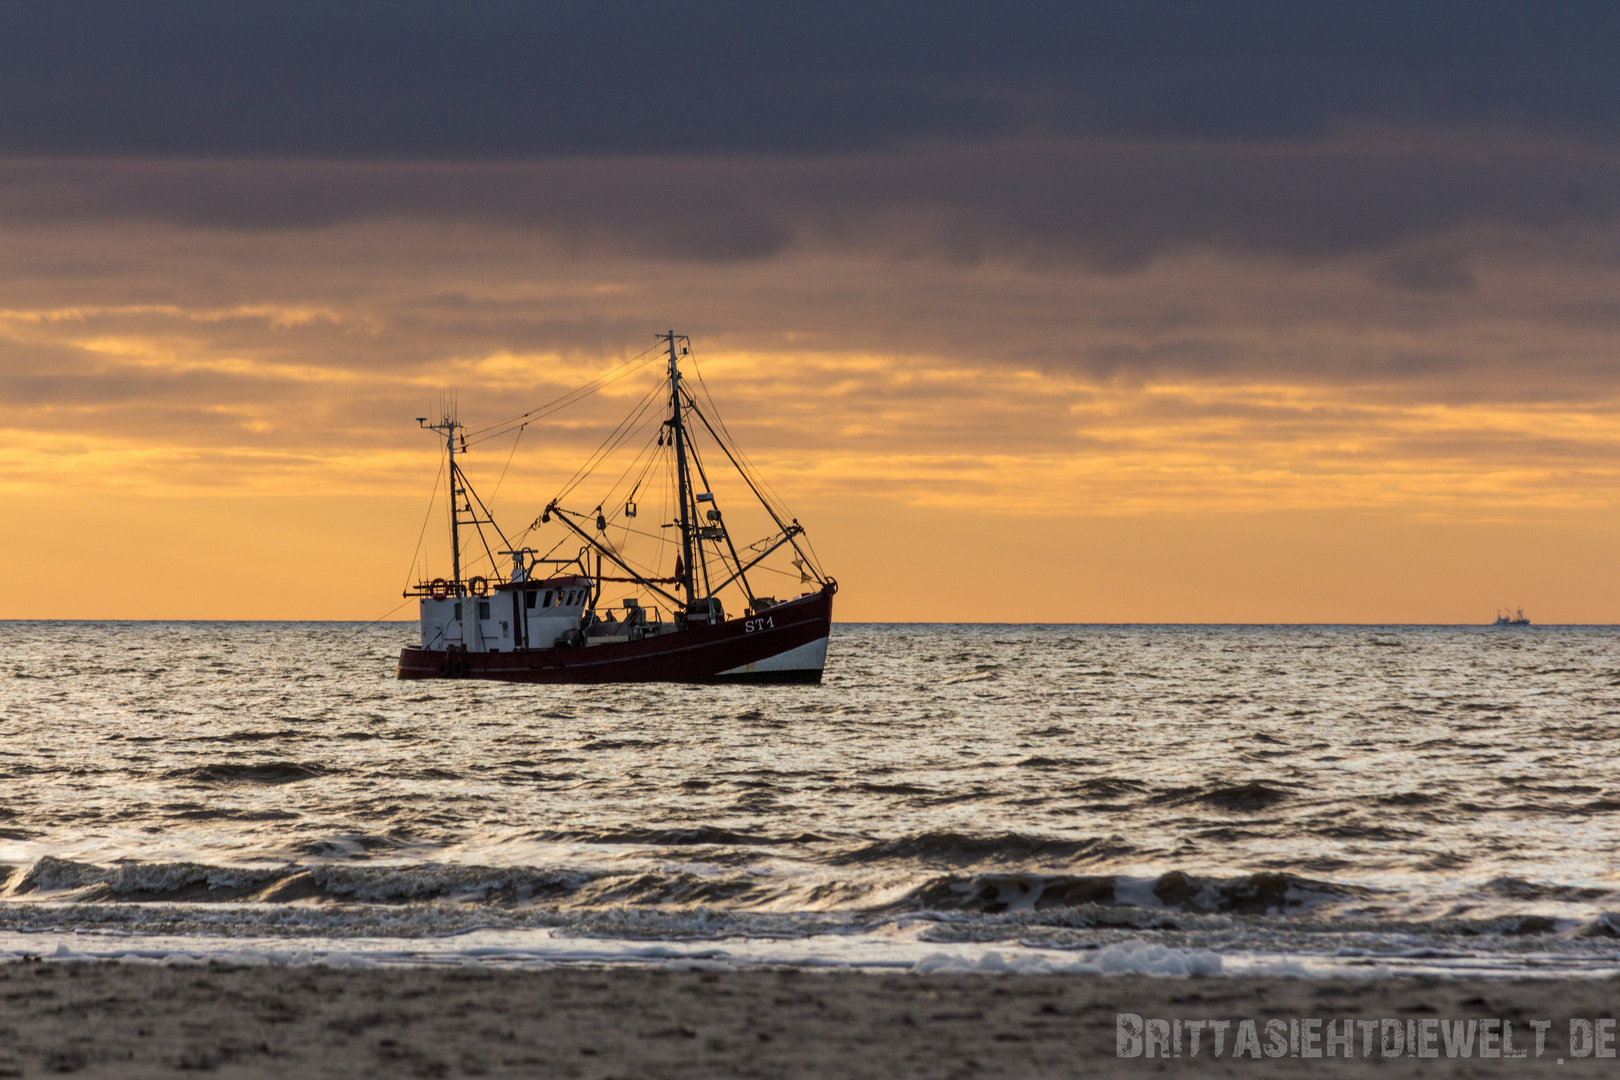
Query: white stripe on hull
x,y
811,656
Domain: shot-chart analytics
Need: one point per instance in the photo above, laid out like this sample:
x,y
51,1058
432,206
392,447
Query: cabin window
x,y
528,600
545,601
483,609
458,610
570,597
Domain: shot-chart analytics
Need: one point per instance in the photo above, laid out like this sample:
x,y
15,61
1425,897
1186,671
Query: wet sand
x,y
136,1020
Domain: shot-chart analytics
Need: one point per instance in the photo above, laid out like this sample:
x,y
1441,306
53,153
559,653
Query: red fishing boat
x,y
607,609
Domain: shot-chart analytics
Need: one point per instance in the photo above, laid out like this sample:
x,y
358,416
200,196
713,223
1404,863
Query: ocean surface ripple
x,y
1348,795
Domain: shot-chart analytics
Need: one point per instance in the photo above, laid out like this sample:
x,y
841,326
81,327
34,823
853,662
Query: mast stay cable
x,y
578,393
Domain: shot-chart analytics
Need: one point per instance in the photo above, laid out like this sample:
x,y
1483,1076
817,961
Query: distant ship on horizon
x,y
1516,619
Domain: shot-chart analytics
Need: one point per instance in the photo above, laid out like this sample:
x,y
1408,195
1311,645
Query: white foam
x,y
1133,957
543,948
1150,958
1135,891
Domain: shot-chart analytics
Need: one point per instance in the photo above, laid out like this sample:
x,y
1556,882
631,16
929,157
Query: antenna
x,y
683,482
447,426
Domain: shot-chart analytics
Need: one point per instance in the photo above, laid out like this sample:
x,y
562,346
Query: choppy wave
x,y
1250,795
262,772
1262,893
697,836
1306,789
962,848
1269,894
1027,920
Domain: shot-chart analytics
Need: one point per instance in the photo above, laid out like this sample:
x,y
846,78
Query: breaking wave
x,y
948,785
1247,894
330,881
350,882
963,848
1084,915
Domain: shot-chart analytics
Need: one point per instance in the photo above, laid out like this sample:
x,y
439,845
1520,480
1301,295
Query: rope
x,y
433,497
374,622
611,443
502,479
579,393
747,464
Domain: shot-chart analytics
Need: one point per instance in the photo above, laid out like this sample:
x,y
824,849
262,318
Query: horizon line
x,y
411,622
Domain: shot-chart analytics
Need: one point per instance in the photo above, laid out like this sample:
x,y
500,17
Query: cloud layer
x,y
293,359
406,79
1150,262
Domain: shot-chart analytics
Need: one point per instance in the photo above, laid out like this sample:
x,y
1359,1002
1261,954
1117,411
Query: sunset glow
x,y
1081,360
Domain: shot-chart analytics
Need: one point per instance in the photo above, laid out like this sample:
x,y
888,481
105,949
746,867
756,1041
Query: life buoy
x,y
479,586
439,588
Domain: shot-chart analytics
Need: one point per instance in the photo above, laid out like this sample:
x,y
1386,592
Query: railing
x,y
445,589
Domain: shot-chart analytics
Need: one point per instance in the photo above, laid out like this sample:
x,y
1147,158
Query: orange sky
x,y
210,421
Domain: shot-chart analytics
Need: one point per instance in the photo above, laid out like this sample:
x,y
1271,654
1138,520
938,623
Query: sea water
x,y
1158,798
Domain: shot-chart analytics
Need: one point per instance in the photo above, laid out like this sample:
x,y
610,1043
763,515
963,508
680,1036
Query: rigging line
x,y
641,481
432,498
715,409
664,512
375,621
584,390
473,560
704,383
746,464
623,431
638,532
573,397
521,428
529,530
567,519
815,557
776,505
645,447
489,518
812,560
524,535
725,531
650,459
607,444
537,414
691,448
600,459
748,479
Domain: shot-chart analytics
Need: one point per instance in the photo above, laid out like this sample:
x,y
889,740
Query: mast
x,y
455,508
683,483
686,587
448,425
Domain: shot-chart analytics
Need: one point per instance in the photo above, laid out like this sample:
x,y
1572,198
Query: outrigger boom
x,y
519,627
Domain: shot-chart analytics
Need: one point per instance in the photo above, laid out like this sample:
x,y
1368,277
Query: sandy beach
x,y
136,1020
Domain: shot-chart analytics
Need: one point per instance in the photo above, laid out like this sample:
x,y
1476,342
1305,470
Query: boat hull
x,y
786,644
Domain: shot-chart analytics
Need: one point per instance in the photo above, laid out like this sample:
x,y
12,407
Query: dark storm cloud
x,y
1112,207
522,79
1104,134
